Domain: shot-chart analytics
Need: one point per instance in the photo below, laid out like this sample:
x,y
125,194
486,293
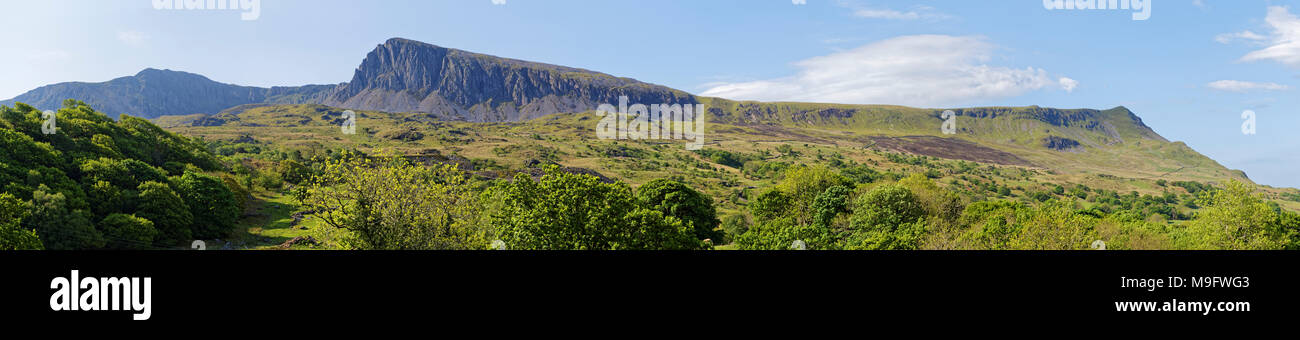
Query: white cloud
x,y
1283,41
132,38
918,70
1244,35
1068,84
1198,4
1243,86
921,12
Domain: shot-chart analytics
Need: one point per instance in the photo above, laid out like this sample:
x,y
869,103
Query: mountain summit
x,y
403,75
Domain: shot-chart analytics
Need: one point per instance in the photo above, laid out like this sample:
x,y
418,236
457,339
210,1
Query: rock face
x,y
152,93
409,76
1060,143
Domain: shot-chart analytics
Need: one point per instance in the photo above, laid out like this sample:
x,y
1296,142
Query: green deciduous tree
x,y
1234,218
124,231
579,212
59,227
12,234
678,200
158,203
888,217
213,207
395,205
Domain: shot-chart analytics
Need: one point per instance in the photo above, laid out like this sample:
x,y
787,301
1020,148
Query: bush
x,y
127,232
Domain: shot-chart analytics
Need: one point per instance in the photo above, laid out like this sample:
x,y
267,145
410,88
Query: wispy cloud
x,y
918,70
1283,42
1245,86
915,13
132,38
1244,35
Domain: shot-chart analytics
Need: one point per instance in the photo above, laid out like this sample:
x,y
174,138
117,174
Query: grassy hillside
x,y
1091,173
750,144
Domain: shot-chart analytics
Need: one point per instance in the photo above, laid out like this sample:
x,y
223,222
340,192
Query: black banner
x,y
206,288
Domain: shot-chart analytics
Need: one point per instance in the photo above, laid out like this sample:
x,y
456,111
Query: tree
x,y
396,205
60,228
293,171
770,205
887,218
678,200
1289,225
733,226
161,205
781,233
1234,218
127,232
12,235
579,212
830,204
239,191
938,202
803,184
125,173
213,207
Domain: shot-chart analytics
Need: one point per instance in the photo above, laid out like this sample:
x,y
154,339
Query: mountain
x,y
424,83
409,76
153,93
398,76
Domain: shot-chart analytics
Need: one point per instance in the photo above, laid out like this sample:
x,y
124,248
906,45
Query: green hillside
x,y
1100,164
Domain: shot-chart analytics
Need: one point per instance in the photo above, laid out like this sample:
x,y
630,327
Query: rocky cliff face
x,y
408,76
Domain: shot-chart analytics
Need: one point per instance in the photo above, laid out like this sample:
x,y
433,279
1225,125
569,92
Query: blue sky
x,y
1189,71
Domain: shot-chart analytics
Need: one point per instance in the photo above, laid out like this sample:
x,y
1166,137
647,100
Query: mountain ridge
x,y
400,75
437,83
152,93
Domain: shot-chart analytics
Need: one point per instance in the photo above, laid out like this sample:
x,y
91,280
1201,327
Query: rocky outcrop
x,y
1061,143
409,76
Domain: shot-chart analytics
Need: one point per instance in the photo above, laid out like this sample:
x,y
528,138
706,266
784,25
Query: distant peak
x,y
154,71
169,75
151,71
404,41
